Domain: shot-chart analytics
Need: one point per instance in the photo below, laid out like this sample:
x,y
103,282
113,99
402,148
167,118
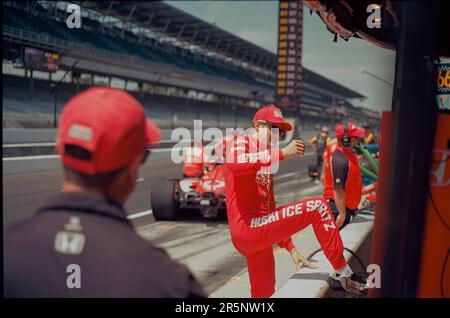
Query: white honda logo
x,y
69,242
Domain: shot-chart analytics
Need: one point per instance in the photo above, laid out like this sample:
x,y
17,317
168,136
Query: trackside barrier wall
x,y
313,283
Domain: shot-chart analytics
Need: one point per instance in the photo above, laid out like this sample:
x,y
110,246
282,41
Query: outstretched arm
x,y
245,156
299,260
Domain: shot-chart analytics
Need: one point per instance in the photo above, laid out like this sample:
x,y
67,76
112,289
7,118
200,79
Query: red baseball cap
x,y
350,130
109,125
272,115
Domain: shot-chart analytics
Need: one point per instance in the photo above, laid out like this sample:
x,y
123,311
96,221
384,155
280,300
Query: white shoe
x,y
348,284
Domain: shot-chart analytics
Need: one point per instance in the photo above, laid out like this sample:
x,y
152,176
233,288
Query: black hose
x,y
348,250
336,287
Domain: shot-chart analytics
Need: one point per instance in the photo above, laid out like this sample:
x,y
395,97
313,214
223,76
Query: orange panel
x,y
434,279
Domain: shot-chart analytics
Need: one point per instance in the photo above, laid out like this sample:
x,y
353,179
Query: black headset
x,y
346,139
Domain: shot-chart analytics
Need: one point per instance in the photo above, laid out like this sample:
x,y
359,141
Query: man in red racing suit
x,y
256,224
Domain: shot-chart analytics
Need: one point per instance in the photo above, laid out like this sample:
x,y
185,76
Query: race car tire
x,y
164,205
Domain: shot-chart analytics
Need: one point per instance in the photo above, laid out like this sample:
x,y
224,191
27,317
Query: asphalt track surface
x,y
203,245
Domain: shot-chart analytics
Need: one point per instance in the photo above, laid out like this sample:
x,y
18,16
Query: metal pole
x,y
220,110
411,146
55,106
377,77
31,84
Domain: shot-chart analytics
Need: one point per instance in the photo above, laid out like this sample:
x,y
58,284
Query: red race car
x,y
205,193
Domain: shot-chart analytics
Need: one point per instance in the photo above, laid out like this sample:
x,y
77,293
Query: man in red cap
x,y
80,243
256,224
343,184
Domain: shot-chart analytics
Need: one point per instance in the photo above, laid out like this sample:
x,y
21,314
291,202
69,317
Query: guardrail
x,y
42,135
48,135
33,150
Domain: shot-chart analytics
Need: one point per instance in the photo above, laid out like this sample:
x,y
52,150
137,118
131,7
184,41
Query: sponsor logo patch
x,y
278,114
81,132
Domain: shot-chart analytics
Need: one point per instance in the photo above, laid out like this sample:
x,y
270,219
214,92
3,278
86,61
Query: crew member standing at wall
x,y
343,183
319,144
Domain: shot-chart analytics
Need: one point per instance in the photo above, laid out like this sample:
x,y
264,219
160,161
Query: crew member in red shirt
x,y
328,150
343,183
194,159
255,223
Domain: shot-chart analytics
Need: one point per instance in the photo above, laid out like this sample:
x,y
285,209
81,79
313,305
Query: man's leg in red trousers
x,y
261,271
261,233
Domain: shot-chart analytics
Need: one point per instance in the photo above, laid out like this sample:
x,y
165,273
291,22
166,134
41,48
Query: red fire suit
x,y
255,224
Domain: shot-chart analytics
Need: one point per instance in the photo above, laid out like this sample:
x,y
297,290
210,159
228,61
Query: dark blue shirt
x,y
84,240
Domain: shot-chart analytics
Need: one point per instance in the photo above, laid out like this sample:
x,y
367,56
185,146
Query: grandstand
x,y
180,67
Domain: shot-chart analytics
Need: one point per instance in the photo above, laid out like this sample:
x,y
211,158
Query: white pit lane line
x,y
30,158
42,144
284,176
139,214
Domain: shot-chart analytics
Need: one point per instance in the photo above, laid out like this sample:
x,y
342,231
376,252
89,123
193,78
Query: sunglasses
x,y
268,125
145,155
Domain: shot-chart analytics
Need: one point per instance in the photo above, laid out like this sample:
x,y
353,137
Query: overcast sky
x,y
343,62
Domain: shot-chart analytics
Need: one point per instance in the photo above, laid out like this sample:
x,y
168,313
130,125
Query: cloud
x,y
341,62
261,38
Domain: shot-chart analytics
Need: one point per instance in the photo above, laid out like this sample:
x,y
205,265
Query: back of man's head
x,y
102,137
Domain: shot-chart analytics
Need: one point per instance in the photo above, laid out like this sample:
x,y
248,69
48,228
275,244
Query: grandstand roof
x,y
162,17
320,81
